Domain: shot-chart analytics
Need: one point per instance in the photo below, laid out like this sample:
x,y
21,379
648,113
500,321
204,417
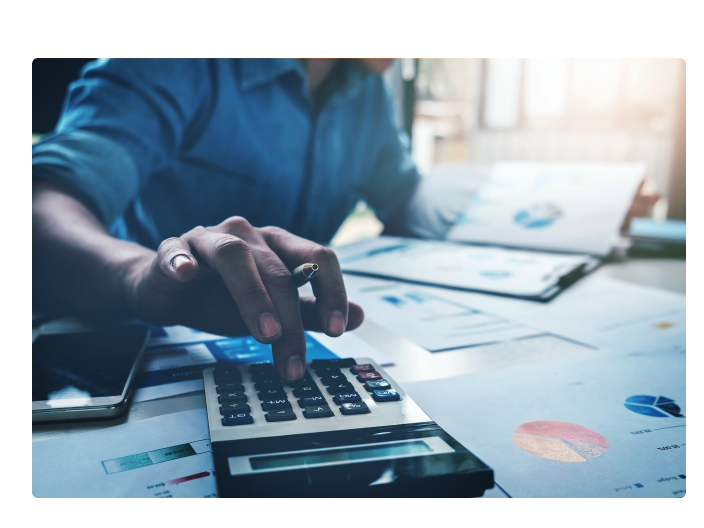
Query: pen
x,y
304,273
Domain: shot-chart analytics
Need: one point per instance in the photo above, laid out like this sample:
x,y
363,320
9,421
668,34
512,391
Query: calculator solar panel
x,y
345,429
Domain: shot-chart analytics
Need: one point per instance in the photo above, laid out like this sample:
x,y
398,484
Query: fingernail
x,y
178,260
336,322
294,367
267,325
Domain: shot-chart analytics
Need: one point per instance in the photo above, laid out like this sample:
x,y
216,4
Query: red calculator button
x,y
364,376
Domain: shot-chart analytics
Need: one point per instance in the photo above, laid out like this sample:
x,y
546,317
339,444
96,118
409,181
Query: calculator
x,y
346,429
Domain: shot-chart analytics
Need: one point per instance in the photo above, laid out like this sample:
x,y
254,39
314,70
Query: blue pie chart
x,y
656,406
538,216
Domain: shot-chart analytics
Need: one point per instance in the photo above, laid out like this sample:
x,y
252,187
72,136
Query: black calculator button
x,y
306,390
230,386
307,379
318,411
354,408
327,371
386,395
237,418
334,379
339,363
263,376
372,385
347,397
261,367
232,396
224,374
268,384
279,403
340,387
271,394
315,399
234,407
280,415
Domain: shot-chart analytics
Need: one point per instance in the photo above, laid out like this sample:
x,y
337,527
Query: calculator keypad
x,y
280,415
372,385
316,399
340,387
386,395
318,411
339,377
229,407
231,396
230,386
276,404
306,390
354,408
237,419
364,376
347,397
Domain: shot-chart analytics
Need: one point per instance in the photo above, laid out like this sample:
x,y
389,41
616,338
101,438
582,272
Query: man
x,y
148,152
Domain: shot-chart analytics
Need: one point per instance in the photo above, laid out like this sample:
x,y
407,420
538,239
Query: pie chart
x,y
655,406
538,216
560,441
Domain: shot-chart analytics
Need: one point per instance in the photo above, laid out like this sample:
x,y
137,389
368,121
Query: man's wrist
x,y
130,272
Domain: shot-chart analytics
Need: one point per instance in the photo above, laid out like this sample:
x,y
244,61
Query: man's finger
x,y
290,350
232,259
328,285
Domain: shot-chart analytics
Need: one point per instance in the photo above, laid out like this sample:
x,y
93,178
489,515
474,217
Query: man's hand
x,y
642,206
234,279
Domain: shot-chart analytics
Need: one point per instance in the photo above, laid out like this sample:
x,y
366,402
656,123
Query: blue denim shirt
x,y
157,147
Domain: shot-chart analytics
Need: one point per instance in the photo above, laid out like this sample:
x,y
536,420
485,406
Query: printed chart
x,y
428,319
560,441
657,406
163,457
551,206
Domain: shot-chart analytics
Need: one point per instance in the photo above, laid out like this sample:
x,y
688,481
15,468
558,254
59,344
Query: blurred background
x,y
468,112
482,111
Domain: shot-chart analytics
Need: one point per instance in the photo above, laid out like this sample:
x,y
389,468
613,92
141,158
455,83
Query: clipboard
x,y
518,273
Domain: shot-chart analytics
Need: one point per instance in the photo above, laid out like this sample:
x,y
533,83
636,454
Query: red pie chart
x,y
560,441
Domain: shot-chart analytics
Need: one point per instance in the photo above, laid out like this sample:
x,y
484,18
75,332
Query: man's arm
x,y
437,203
229,279
77,266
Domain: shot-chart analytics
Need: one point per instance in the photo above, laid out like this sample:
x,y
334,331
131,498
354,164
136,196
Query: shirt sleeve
x,y
394,177
122,121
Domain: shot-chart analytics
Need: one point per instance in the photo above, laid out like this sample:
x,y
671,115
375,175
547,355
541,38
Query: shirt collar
x,y
257,72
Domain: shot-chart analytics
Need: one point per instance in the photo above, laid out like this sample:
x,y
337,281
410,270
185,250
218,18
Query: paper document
x,y
166,456
588,425
597,311
478,268
575,207
425,316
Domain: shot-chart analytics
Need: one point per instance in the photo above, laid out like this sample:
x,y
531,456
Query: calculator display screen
x,y
340,455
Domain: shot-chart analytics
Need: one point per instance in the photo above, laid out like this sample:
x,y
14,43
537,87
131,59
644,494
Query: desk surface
x,y
412,361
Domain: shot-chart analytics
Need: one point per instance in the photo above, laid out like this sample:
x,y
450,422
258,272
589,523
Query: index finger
x,y
328,286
